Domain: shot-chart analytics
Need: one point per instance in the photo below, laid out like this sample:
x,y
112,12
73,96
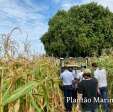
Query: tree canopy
x,y
80,31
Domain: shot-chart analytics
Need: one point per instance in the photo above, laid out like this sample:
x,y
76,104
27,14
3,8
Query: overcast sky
x,y
32,17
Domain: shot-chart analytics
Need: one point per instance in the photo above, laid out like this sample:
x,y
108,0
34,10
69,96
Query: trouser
x,y
103,93
68,92
74,93
90,110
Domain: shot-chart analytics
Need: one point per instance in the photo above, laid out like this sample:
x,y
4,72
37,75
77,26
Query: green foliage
x,y
81,31
33,87
36,87
18,92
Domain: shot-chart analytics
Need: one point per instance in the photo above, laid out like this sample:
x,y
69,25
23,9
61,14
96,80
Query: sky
x,y
32,17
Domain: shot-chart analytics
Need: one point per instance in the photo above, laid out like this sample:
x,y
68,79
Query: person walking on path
x,y
101,75
67,79
87,92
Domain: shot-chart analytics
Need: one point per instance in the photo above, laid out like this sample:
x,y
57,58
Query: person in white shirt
x,y
75,84
101,75
67,79
80,76
80,73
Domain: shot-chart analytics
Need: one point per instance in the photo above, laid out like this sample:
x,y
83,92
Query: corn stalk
x,y
1,88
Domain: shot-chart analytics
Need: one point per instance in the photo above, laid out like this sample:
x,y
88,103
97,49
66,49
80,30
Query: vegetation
x,y
27,84
31,84
81,31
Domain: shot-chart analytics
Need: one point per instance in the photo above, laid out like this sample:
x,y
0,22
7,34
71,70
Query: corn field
x,y
27,85
32,85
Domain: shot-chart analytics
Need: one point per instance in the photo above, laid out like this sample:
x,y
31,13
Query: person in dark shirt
x,y
87,92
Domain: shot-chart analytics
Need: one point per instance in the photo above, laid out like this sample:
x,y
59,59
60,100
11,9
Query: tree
x,y
80,31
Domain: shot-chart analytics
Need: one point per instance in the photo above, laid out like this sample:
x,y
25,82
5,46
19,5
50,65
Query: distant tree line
x,y
81,31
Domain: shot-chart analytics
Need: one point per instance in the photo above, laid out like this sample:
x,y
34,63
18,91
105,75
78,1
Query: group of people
x,y
85,87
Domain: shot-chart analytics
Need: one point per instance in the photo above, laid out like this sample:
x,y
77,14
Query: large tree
x,y
80,31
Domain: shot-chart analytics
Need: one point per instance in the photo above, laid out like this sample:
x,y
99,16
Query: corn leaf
x,y
19,92
35,105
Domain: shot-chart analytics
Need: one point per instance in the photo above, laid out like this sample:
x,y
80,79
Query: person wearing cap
x,y
87,92
101,75
67,79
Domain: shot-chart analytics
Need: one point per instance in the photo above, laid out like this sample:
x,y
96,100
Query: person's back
x,y
80,76
100,75
67,77
88,88
87,93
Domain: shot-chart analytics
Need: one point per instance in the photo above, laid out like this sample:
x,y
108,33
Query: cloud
x,y
105,3
67,4
32,16
28,16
